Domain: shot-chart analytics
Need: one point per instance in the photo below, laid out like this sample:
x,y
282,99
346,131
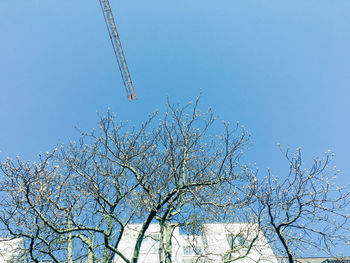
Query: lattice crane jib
x,y
118,50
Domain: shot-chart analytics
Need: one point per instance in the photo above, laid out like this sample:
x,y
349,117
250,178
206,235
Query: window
x,y
192,251
155,237
241,240
235,241
188,250
231,240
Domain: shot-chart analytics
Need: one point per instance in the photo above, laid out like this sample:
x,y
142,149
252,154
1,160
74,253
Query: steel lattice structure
x,y
118,50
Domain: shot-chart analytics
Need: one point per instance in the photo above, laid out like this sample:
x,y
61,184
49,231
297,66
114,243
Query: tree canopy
x,y
181,168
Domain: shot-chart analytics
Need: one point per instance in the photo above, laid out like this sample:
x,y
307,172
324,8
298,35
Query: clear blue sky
x,y
280,68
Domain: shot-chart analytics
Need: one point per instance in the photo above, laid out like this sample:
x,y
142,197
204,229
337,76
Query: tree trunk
x,y
69,241
90,258
161,243
141,235
169,247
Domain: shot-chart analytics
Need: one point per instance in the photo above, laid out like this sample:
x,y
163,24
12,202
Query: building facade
x,y
217,243
12,250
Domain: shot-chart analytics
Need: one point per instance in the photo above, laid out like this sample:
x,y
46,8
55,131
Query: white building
x,y
217,243
12,250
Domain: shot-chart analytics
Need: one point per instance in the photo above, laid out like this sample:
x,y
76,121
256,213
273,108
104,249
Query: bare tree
x,y
305,209
75,202
40,203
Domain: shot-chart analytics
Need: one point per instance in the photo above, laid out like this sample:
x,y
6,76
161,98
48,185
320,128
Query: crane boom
x,y
118,50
